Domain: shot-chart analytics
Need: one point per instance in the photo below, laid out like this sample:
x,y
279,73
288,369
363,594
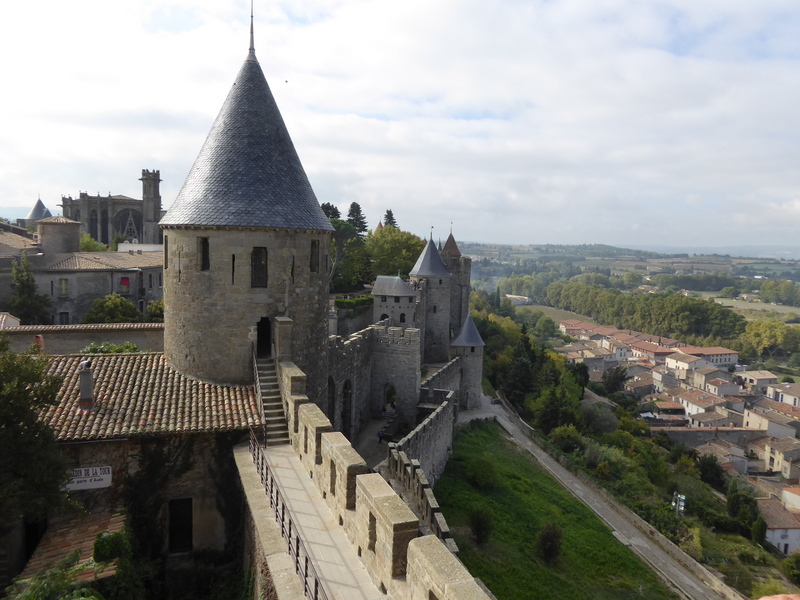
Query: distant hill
x,y
778,252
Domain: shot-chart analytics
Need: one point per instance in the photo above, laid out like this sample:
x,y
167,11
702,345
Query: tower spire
x,y
252,41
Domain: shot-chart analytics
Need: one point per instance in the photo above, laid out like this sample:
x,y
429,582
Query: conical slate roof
x,y
450,246
469,335
39,211
429,263
248,173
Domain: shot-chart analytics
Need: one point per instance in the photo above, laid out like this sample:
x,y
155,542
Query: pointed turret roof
x,y
38,212
379,227
469,335
450,246
429,263
248,173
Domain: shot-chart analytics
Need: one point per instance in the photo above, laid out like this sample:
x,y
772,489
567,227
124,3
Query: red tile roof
x,y
775,515
141,393
75,532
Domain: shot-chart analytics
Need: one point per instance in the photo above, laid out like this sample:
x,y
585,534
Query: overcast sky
x,y
522,121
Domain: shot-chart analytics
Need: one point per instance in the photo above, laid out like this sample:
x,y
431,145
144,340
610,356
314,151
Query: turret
x,y
469,347
432,280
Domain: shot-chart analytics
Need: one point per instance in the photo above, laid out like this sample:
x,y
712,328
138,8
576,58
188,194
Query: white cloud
x,y
615,121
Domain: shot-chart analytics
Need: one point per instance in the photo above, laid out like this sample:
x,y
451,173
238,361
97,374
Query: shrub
x,y
481,473
108,546
109,348
767,588
566,438
791,567
354,302
481,522
549,541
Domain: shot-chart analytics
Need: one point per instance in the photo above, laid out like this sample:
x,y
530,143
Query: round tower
x,y
245,242
432,280
469,347
58,235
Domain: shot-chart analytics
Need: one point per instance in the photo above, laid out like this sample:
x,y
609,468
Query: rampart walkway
x,y
623,527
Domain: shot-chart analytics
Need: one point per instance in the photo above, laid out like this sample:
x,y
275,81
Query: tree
x,y
758,532
330,210
393,251
113,309
729,292
481,523
615,378
711,472
345,238
549,541
155,312
632,279
25,303
388,219
30,483
89,244
356,218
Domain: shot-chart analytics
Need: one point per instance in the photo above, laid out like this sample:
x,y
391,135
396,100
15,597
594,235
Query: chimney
x,y
86,402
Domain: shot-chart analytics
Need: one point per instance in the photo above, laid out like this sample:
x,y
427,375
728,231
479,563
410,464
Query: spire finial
x,y
252,42
431,232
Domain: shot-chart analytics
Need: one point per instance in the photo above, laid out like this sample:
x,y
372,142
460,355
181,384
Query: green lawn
x,y
555,313
593,564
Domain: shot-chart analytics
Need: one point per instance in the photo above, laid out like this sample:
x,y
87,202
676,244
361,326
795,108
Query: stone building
x,y
246,345
73,280
103,217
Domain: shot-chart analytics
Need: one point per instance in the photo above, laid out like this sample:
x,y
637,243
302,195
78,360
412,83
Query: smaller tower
x,y
469,347
151,206
432,281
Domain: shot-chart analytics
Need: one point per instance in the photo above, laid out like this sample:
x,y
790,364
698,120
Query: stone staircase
x,y
275,430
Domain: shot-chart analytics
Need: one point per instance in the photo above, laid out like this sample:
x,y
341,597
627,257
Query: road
x,y
624,528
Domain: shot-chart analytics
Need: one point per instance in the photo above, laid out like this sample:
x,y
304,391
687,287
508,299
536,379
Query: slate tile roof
x,y
248,173
450,246
468,336
75,532
39,211
140,393
388,285
430,263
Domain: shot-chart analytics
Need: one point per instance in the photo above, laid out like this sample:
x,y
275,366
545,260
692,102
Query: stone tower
x,y
432,279
460,268
246,242
151,207
469,346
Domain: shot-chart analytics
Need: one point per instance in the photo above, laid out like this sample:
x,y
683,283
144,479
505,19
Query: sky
x,y
623,122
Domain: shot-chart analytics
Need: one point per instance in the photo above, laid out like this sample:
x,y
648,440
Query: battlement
x,y
396,335
375,519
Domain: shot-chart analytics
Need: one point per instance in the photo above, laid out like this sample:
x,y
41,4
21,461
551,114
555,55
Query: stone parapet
x,y
434,572
312,424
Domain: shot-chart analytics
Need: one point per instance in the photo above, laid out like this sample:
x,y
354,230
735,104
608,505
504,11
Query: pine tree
x,y
25,303
356,218
330,210
388,219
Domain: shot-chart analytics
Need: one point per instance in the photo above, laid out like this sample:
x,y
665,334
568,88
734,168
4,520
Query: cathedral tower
x,y
151,206
245,242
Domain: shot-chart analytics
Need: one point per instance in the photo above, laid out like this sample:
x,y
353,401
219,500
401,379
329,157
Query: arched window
x,y
384,316
402,317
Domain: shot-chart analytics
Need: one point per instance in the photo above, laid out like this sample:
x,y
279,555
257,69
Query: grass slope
x,y
593,564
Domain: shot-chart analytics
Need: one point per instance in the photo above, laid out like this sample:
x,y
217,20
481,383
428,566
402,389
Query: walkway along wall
x,y
383,529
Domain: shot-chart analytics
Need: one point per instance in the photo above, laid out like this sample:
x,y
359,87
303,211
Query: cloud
x,y
608,121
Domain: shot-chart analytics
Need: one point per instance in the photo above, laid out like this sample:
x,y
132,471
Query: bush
x,y
767,588
791,568
108,546
481,473
549,541
354,302
109,348
481,522
566,438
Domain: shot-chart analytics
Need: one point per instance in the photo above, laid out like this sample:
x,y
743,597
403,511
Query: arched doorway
x,y
389,396
264,340
347,408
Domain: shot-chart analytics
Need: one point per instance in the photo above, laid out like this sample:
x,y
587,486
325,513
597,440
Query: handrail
x,y
312,585
257,385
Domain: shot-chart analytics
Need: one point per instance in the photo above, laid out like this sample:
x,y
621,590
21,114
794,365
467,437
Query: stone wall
x,y
693,437
224,290
446,378
71,339
349,381
431,442
380,525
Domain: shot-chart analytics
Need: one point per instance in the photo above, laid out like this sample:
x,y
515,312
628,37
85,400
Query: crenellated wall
x,y
446,378
382,528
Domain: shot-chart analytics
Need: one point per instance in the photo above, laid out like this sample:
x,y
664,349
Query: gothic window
x,y
204,253
314,265
258,268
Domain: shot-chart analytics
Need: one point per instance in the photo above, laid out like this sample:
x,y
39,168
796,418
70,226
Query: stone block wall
x,y
431,442
349,369
396,363
381,526
71,339
446,378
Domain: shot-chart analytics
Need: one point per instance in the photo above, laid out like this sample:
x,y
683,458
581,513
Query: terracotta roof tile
x,y
140,393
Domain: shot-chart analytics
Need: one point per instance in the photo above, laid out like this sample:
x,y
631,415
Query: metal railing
x,y
312,585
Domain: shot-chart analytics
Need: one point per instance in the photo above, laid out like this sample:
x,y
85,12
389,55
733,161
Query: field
x,y
593,564
556,314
